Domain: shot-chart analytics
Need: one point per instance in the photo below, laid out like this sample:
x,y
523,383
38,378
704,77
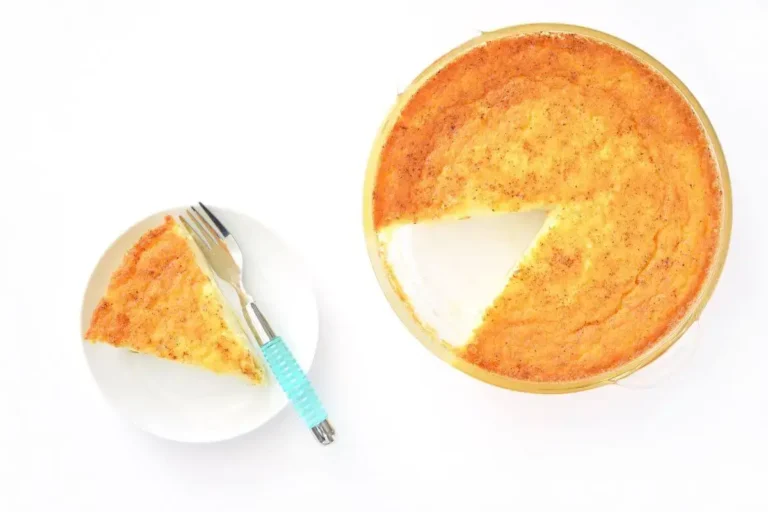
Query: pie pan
x,y
431,337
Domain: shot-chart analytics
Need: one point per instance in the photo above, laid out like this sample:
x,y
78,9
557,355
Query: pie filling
x,y
162,301
615,155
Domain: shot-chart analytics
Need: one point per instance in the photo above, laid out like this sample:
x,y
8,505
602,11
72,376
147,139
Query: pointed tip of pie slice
x,y
162,301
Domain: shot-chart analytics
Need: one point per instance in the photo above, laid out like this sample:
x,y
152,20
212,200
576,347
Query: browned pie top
x,y
610,149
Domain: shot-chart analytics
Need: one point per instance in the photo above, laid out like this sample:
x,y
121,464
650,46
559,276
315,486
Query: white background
x,y
110,111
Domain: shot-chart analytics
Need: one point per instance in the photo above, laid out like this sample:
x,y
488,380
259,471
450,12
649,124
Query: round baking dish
x,y
428,336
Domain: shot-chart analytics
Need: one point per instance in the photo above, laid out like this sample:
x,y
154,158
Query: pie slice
x,y
162,302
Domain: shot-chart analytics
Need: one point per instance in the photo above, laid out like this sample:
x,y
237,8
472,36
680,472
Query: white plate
x,y
183,403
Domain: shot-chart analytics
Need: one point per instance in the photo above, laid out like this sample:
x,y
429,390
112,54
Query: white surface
x,y
112,110
185,403
452,271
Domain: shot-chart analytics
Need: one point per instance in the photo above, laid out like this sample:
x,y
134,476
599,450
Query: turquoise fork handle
x,y
298,388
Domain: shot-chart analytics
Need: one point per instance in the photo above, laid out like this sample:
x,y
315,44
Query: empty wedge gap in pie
x,y
608,146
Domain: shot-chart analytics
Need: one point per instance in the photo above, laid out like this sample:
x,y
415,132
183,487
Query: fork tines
x,y
224,232
203,231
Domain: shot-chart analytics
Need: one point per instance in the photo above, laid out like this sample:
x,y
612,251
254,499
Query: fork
x,y
223,253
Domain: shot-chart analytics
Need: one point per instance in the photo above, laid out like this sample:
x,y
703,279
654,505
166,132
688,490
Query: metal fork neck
x,y
260,328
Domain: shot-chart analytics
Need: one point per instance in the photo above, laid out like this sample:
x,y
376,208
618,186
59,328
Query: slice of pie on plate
x,y
162,301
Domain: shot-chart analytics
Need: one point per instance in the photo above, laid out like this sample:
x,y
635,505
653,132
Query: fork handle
x,y
297,387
